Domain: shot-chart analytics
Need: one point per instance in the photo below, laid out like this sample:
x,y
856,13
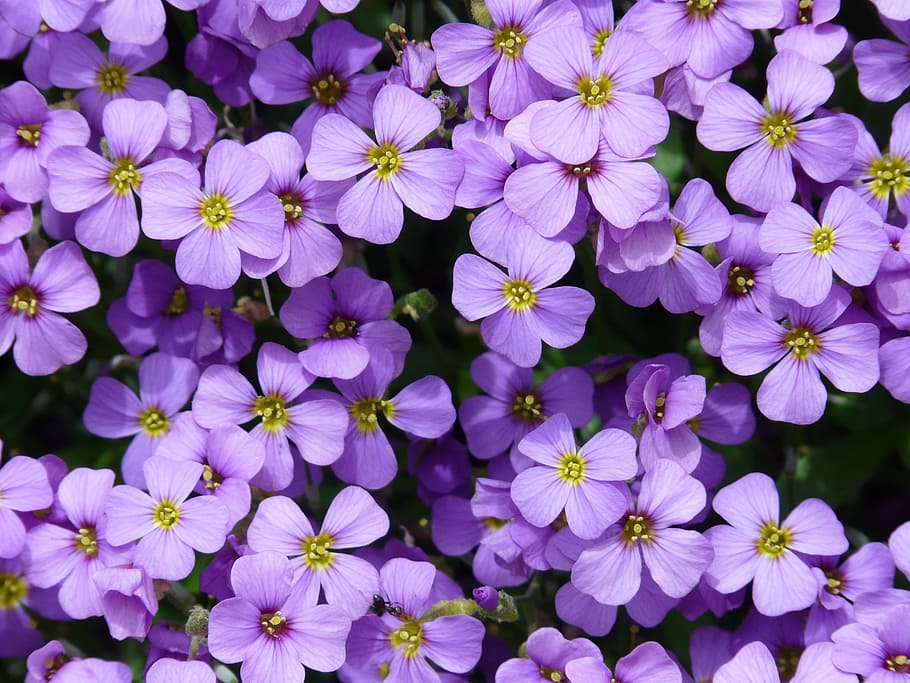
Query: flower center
x,y
889,174
213,313
124,177
87,541
407,636
801,342
773,540
341,328
153,422
210,478
272,411
179,303
293,207
600,40
527,407
823,240
549,674
804,11
166,514
29,135
386,159
510,41
366,410
52,665
216,211
327,90
316,551
494,524
898,664
787,660
778,129
594,93
13,590
519,295
740,279
834,583
112,79
23,301
701,8
571,468
581,171
660,404
636,528
273,624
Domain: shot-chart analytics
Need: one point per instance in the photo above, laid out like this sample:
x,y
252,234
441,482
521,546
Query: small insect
x,y
382,606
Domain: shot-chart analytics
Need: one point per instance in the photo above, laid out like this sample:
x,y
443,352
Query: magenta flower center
x,y
596,92
29,135
889,174
316,551
210,478
328,89
179,303
898,664
124,177
215,211
510,41
153,422
701,8
519,295
527,407
86,541
273,624
271,409
804,11
549,674
773,540
166,514
740,280
571,469
112,79
366,410
582,170
637,528
13,590
23,301
293,207
801,342
386,159
407,636
341,328
779,129
823,240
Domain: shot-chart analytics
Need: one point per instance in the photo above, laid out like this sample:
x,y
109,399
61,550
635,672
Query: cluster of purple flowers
x,y
602,478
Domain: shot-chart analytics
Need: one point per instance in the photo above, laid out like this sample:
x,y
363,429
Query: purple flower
x,y
128,599
274,626
647,663
353,520
50,661
548,654
893,9
519,309
807,30
759,546
424,180
611,95
233,214
405,642
883,179
284,76
762,175
29,132
174,671
847,240
103,190
676,558
316,427
882,65
15,217
755,662
346,317
138,22
515,405
23,487
79,64
899,543
113,411
169,527
810,344
582,482
61,282
229,457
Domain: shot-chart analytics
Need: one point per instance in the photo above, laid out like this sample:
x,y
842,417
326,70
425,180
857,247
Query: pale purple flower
x,y
883,66
353,520
759,546
23,487
423,180
168,526
647,663
519,309
754,662
899,543
548,654
274,626
128,600
808,32
883,178
174,671
15,217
